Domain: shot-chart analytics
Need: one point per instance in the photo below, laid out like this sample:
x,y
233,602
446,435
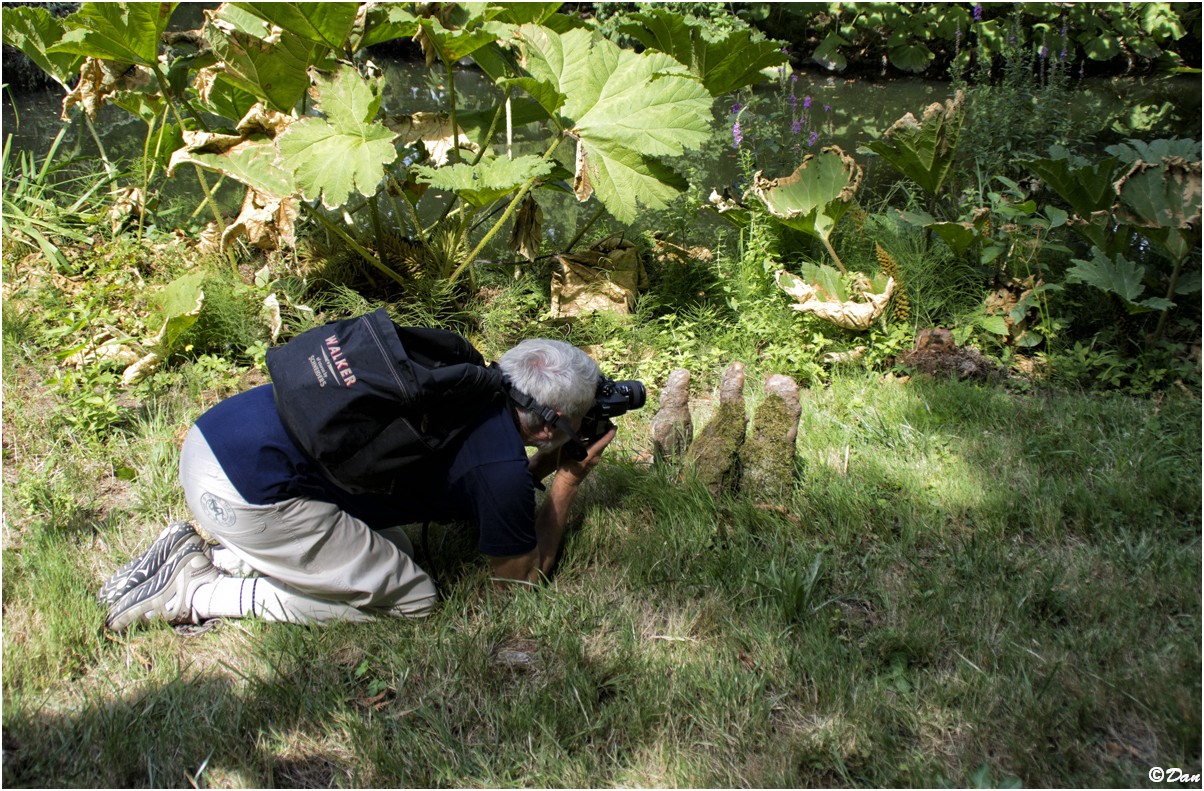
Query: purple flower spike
x,y
797,126
827,108
737,107
737,135
978,12
813,138
806,102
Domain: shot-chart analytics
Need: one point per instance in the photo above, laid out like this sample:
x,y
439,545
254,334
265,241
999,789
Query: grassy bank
x,y
966,587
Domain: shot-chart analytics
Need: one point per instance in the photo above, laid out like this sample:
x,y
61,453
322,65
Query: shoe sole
x,y
150,600
143,567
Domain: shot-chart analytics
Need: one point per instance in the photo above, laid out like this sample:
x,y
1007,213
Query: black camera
x,y
611,400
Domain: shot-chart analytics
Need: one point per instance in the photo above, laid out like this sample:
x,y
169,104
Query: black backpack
x,y
366,398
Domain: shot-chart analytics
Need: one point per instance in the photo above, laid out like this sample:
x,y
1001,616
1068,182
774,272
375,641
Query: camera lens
x,y
634,391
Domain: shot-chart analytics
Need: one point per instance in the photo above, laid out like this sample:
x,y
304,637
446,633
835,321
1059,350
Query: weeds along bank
x,y
1038,223
971,582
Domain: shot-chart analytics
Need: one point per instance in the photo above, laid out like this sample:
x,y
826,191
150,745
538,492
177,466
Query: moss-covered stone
x,y
714,454
767,458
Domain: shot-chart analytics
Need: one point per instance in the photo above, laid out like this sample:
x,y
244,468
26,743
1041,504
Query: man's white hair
x,y
554,373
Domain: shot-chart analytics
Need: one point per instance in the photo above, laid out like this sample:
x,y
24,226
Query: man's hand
x,y
550,522
543,463
575,471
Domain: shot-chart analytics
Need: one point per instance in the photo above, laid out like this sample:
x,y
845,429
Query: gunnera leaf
x,y
923,150
489,180
344,152
725,60
624,108
816,195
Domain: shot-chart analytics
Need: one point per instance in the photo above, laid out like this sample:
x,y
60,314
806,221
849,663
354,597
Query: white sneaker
x,y
167,595
141,568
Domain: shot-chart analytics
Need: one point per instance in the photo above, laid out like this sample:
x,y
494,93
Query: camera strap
x,y
574,447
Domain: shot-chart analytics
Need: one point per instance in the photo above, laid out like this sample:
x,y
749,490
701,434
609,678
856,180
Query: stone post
x,y
767,458
714,452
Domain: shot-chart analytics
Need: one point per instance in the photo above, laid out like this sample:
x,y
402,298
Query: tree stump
x,y
672,427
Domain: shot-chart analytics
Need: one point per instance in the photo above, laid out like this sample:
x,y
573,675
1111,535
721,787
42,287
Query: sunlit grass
x,y
962,581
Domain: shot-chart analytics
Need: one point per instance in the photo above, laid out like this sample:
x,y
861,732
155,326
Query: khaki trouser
x,y
320,563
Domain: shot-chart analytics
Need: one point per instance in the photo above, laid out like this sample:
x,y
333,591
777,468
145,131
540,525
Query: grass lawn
x,y
966,587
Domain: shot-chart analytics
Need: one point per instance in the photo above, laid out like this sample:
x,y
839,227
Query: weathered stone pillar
x,y
767,458
672,427
714,452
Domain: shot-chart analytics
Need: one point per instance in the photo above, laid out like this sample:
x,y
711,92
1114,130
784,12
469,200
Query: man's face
x,y
548,438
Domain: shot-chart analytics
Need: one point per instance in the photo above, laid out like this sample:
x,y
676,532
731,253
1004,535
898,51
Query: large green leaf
x,y
220,96
499,60
623,108
252,161
385,22
816,195
1131,151
544,93
958,235
34,31
322,23
828,54
455,43
913,57
724,61
924,150
123,32
1086,186
180,304
491,179
146,106
274,68
1162,194
347,150
1117,275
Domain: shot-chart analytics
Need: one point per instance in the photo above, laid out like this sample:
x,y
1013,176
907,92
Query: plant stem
x,y
1170,292
146,176
377,230
104,157
832,252
359,248
505,105
481,150
166,90
451,98
502,221
589,224
414,218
